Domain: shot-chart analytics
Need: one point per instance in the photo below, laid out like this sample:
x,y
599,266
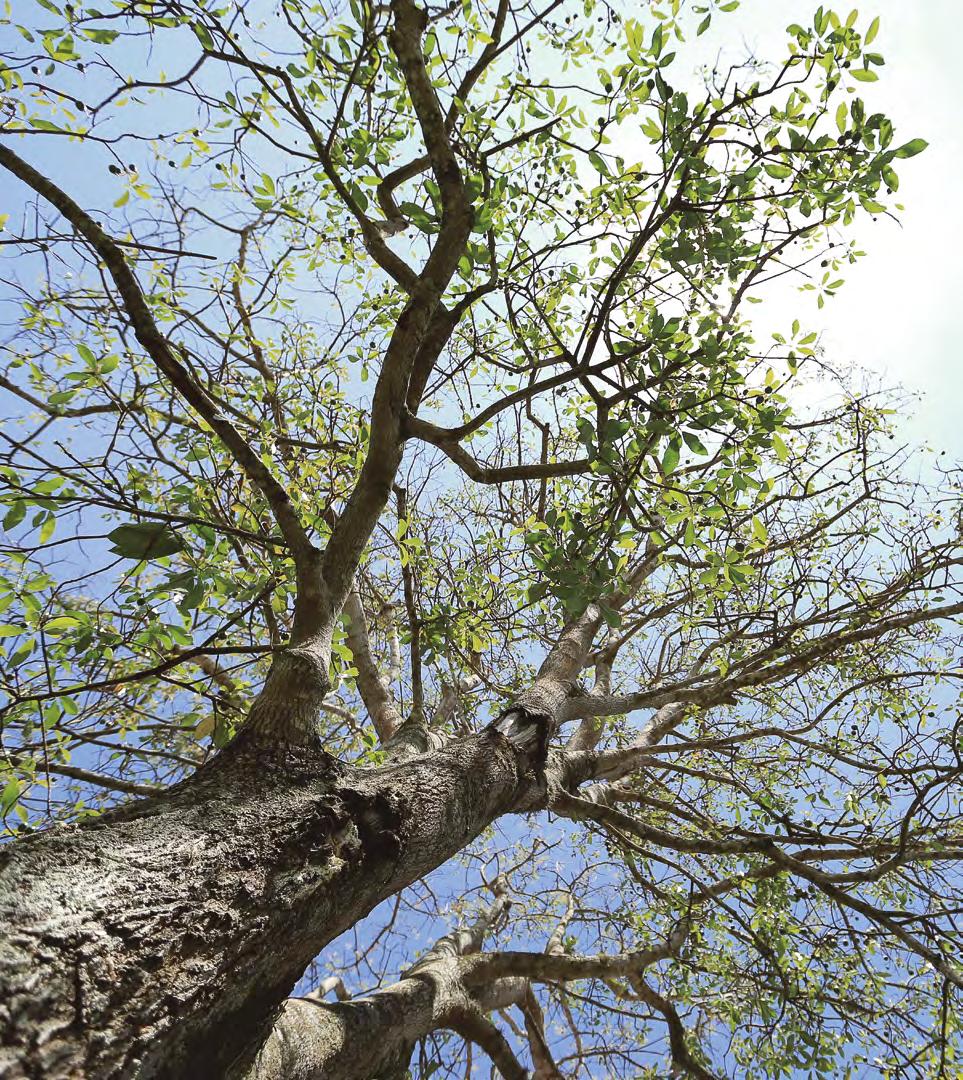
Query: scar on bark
x,y
528,731
351,825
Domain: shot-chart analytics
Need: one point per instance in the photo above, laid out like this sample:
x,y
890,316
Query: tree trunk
x,y
162,939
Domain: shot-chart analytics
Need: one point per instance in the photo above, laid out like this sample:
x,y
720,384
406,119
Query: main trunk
x,y
161,939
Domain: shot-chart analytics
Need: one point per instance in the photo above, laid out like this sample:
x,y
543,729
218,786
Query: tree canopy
x,y
384,379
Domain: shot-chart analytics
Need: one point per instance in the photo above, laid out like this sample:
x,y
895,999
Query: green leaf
x,y
101,37
203,35
693,443
146,540
15,514
671,457
48,526
613,618
537,591
872,31
62,622
864,75
9,795
912,148
598,163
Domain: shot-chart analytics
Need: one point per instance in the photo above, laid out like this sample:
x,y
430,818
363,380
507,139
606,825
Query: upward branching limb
x,y
706,692
374,691
413,339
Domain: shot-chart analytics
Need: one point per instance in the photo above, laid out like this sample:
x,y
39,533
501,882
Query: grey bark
x,y
372,1036
162,939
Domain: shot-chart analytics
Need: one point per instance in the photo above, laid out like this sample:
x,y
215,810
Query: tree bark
x,y
369,1037
162,939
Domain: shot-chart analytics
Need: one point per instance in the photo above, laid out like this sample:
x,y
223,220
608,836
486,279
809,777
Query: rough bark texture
x,y
125,943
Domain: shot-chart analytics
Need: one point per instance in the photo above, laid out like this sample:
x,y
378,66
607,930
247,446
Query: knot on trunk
x,y
378,817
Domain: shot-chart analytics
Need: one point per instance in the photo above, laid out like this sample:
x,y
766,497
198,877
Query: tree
x,y
393,458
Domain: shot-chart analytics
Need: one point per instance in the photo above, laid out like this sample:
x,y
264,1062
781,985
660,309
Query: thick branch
x,y
473,1025
416,325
